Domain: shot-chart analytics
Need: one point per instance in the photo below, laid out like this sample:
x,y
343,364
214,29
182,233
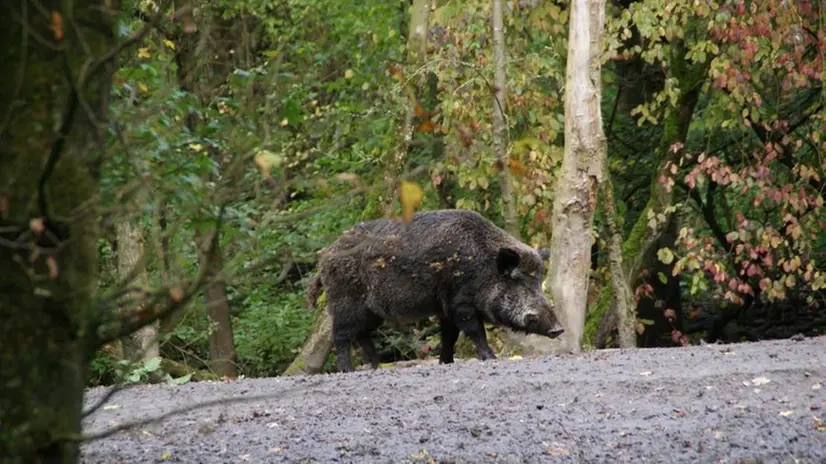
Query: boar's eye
x,y
507,261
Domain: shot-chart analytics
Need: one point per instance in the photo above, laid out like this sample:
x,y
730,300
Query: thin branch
x,y
56,151
218,402
103,400
126,327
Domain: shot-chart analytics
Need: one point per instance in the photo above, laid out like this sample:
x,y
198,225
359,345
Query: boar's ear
x,y
544,254
507,261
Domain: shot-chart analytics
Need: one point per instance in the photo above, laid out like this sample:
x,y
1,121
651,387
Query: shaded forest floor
x,y
755,402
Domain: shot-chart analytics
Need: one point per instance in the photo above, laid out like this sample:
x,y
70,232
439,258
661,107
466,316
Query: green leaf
x,y
181,380
153,364
662,277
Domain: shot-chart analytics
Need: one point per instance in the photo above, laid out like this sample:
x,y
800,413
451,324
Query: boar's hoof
x,y
485,355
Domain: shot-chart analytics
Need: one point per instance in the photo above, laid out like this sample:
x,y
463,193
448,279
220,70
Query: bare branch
x,y
298,389
103,400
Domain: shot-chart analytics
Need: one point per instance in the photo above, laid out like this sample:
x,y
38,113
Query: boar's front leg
x,y
450,333
469,322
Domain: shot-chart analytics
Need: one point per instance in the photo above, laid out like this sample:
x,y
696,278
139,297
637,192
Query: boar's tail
x,y
314,291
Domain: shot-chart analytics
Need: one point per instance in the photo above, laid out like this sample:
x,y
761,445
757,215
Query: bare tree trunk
x,y
131,262
222,356
514,341
623,296
582,167
500,128
643,237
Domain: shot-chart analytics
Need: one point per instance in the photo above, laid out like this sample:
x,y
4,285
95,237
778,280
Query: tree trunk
x,y
48,152
500,128
222,356
645,233
416,55
130,256
195,78
316,349
623,296
582,166
514,341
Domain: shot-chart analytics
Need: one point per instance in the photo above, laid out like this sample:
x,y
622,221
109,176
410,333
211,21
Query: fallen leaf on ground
x,y
760,380
109,407
646,373
786,413
557,449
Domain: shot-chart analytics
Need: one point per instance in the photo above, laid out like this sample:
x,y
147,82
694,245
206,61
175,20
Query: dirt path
x,y
752,403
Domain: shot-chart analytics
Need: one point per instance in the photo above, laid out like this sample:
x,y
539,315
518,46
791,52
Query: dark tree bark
x,y
53,101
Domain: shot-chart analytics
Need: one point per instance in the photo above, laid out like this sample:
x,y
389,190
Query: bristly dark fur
x,y
453,264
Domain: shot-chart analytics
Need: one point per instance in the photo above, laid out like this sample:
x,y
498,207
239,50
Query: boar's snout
x,y
556,330
545,324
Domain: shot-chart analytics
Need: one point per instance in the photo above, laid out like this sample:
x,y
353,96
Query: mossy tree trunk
x,y
53,103
316,349
623,296
655,218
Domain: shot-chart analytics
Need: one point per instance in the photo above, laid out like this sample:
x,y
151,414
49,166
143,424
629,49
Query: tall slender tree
x,y
582,169
500,127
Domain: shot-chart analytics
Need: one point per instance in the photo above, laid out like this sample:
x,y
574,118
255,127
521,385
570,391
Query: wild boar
x,y
453,264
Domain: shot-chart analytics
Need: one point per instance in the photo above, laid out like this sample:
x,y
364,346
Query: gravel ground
x,y
743,403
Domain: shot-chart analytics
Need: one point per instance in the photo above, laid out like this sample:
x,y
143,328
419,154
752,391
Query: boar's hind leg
x,y
342,346
365,339
368,350
450,333
471,324
354,325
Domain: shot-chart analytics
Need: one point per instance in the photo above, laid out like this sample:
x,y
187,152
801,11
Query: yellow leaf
x,y
266,160
170,44
176,294
51,263
144,53
411,197
57,25
142,87
196,146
